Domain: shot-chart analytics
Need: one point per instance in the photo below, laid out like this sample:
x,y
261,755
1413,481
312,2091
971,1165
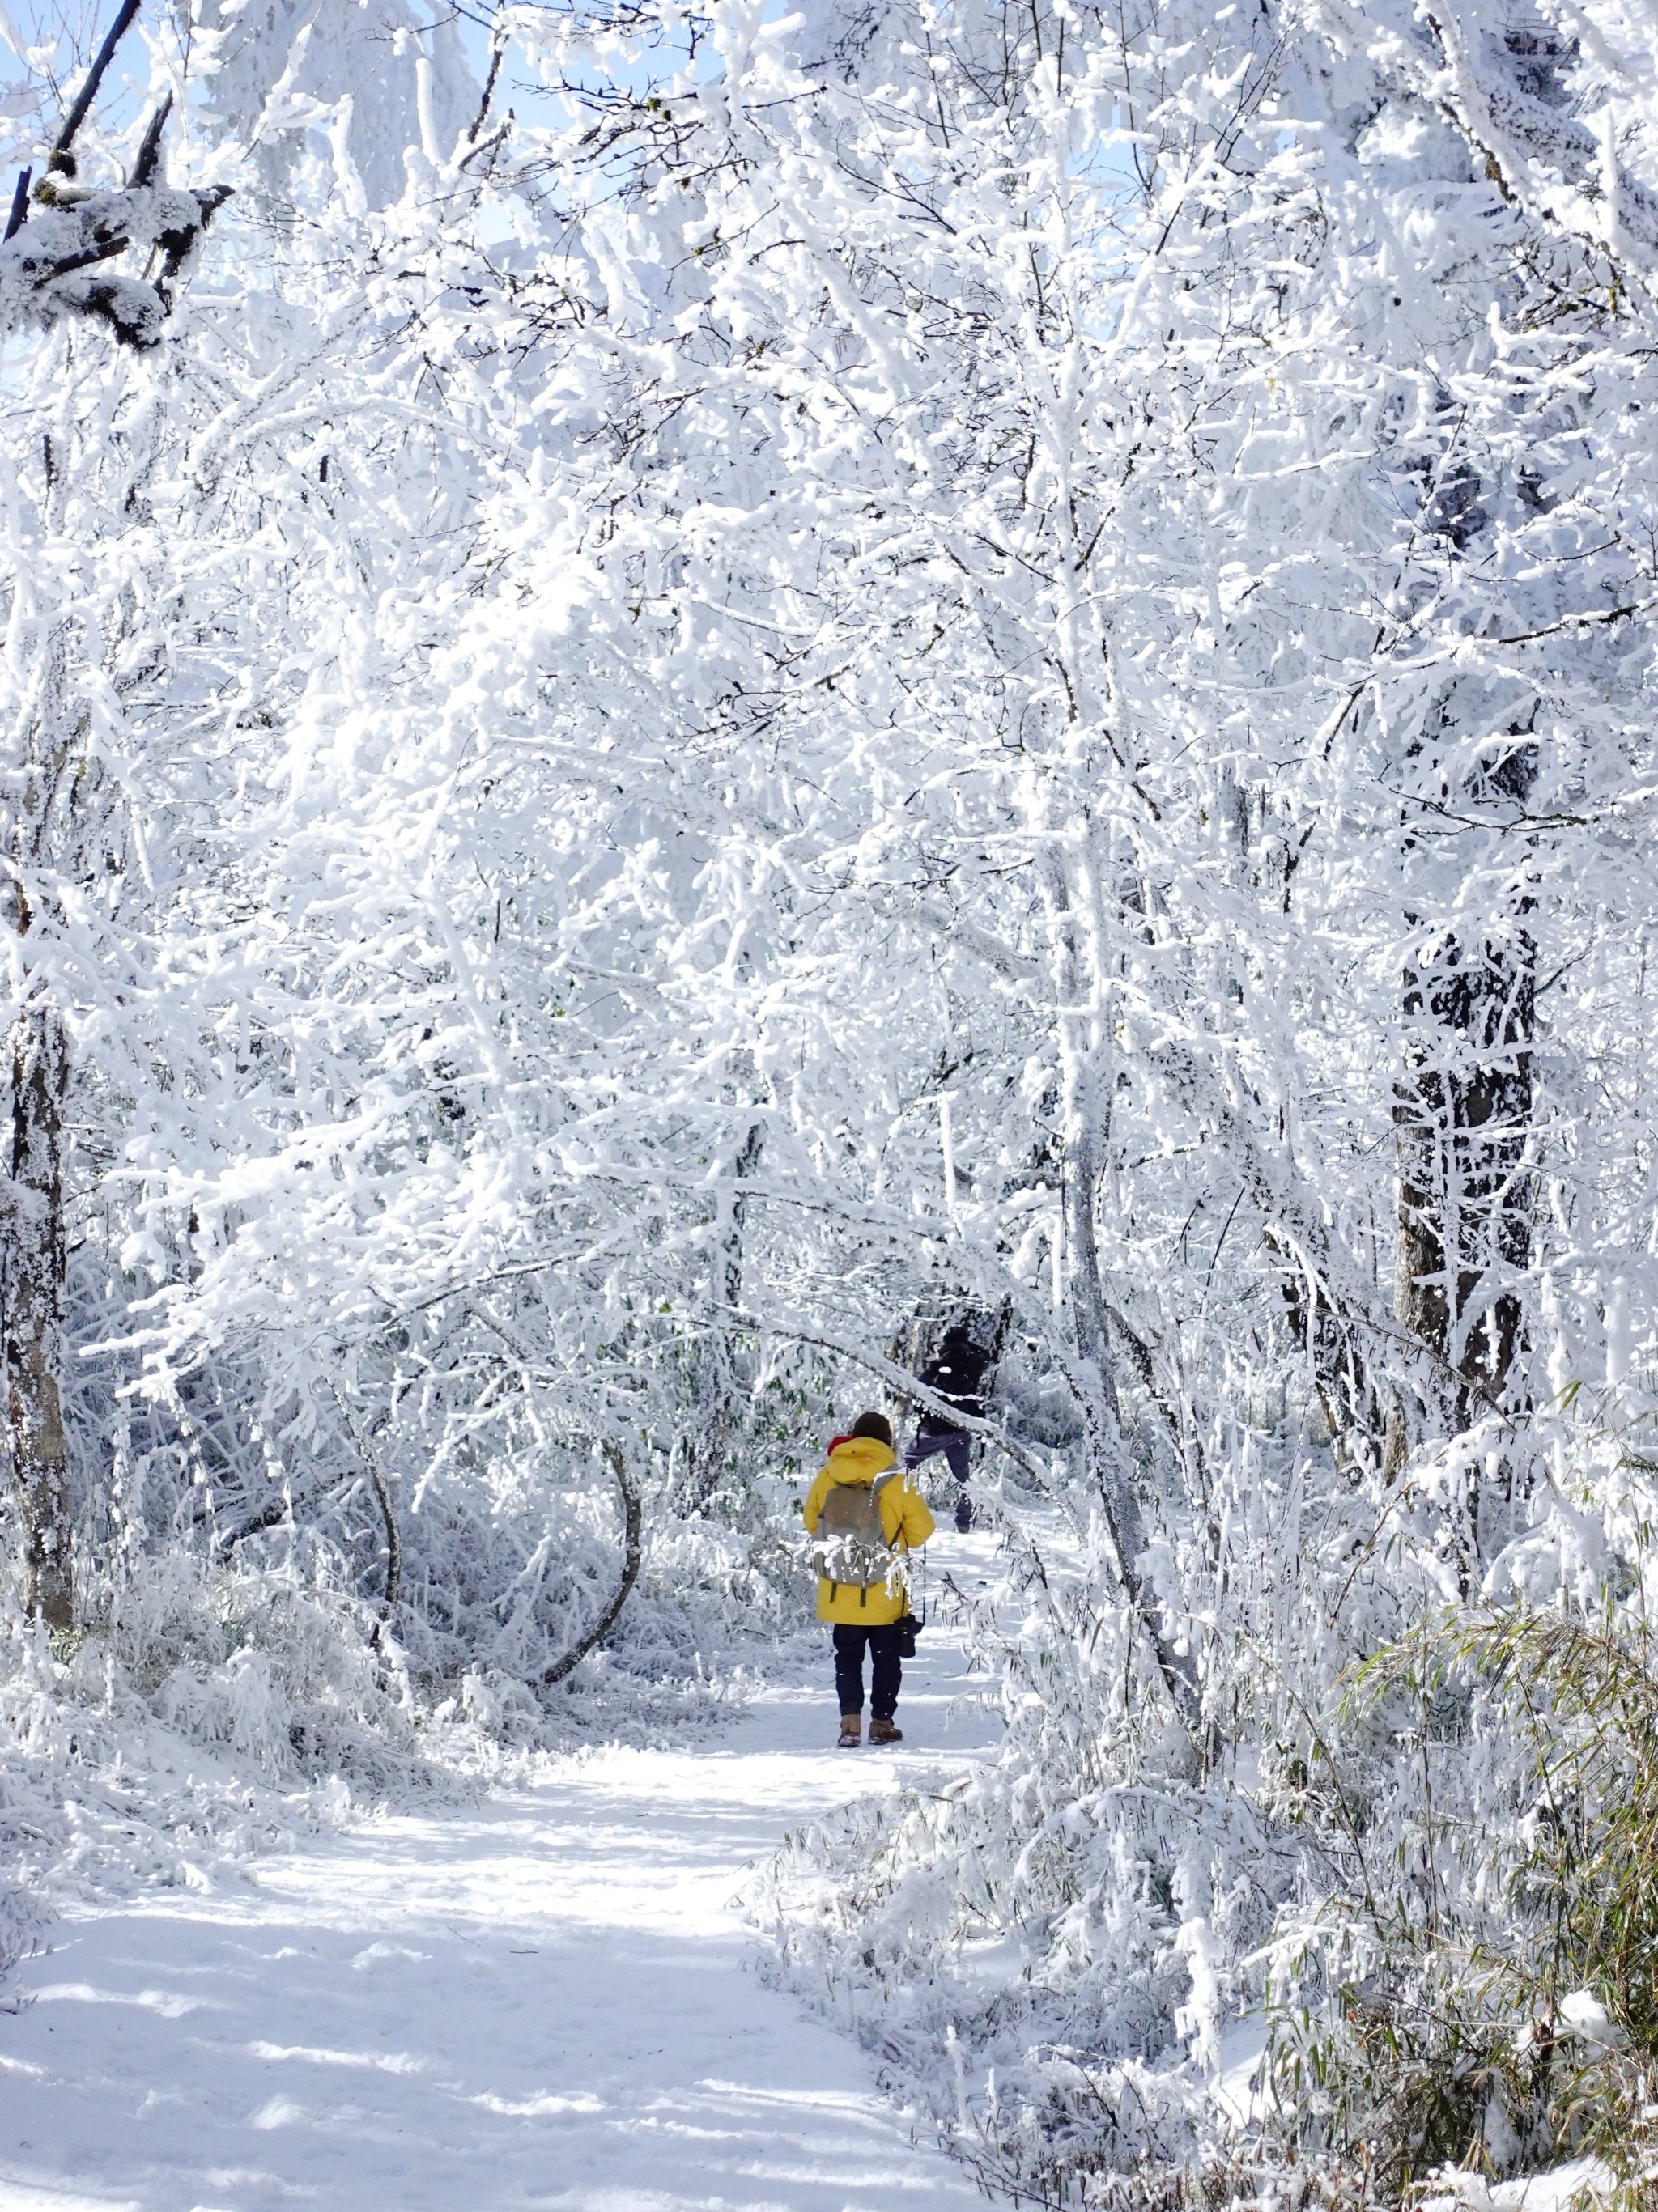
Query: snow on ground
x,y
1583,2181
543,2001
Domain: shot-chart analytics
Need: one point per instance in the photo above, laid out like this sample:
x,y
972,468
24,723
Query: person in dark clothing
x,y
956,1375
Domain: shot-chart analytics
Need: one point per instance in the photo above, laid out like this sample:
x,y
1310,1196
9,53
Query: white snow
x,y
1584,2014
1236,2086
545,2001
1582,2181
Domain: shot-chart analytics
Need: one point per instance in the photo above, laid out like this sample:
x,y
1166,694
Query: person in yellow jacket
x,y
869,1613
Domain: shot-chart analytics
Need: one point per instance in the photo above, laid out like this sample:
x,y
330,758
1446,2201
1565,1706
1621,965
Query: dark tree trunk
x,y
1462,1118
33,1303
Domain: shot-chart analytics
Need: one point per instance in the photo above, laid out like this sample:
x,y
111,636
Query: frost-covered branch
x,y
60,242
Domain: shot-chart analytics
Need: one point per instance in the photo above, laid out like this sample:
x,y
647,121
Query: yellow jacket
x,y
904,1521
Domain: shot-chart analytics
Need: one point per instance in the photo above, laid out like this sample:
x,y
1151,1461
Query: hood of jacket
x,y
860,1460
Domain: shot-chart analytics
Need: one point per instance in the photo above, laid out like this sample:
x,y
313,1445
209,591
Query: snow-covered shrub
x,y
1482,1988
288,1679
99,1790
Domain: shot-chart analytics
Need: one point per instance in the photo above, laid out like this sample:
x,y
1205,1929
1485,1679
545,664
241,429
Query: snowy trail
x,y
543,2001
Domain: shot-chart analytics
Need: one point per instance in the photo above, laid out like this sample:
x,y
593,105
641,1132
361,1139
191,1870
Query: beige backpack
x,y
851,1547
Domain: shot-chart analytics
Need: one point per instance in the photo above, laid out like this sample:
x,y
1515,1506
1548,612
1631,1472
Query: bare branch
x,y
62,158
632,1551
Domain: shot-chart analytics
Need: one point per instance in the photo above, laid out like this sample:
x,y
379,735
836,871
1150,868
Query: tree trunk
x,y
1462,1116
36,1259
1465,1198
1081,1038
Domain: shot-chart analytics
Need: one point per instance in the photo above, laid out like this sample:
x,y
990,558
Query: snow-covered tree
x,y
901,659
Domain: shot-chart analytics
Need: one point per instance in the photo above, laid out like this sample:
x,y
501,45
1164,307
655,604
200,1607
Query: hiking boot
x,y
885,1731
851,1731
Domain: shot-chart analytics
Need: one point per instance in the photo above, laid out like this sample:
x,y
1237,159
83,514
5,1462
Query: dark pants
x,y
955,1444
885,1670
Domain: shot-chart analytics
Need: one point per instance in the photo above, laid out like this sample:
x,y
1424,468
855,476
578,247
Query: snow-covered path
x,y
545,2001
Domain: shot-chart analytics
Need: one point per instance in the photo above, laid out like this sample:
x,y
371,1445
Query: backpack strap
x,y
876,1489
